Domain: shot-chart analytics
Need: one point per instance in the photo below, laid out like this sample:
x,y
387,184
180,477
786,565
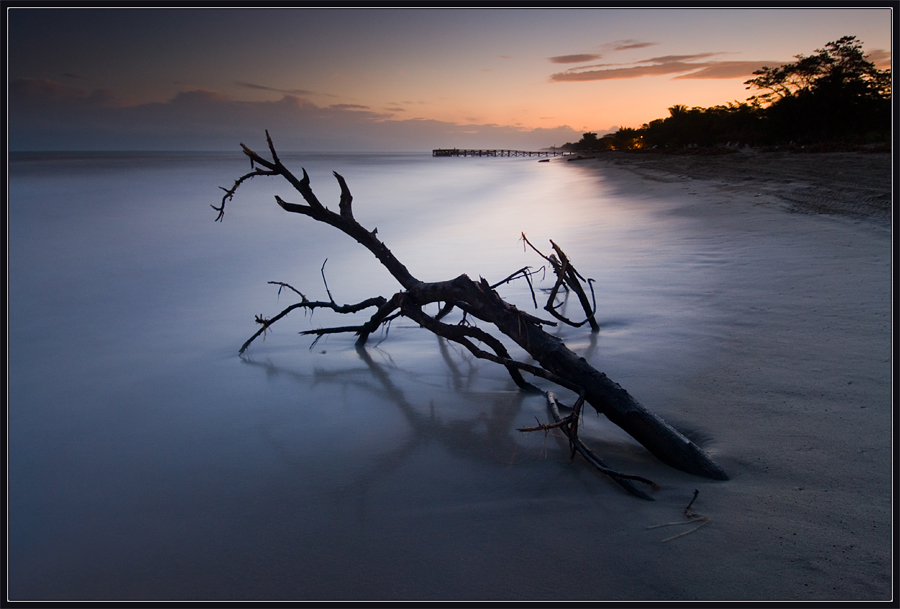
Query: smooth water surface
x,y
148,460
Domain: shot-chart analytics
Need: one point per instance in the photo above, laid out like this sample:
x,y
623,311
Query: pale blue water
x,y
148,461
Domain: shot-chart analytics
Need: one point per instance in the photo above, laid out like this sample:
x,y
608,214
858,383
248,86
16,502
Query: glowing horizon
x,y
351,78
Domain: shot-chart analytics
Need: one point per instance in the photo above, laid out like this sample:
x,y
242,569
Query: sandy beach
x,y
797,393
852,184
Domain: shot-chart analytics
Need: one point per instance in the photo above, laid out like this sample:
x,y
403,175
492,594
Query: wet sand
x,y
795,400
856,185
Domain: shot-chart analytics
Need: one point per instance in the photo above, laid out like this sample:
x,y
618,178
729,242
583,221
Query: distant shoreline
x,y
853,184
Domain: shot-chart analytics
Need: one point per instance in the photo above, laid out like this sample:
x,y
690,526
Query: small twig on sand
x,y
692,517
687,510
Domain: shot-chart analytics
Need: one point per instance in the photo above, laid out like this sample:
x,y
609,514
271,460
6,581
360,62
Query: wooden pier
x,y
461,152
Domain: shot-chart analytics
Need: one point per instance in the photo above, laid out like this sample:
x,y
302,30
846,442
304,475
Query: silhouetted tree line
x,y
836,96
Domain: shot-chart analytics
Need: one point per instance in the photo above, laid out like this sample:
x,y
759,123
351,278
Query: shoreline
x,y
795,392
852,184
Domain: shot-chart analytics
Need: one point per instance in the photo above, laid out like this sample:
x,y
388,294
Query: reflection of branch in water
x,y
379,466
461,436
489,437
455,375
479,300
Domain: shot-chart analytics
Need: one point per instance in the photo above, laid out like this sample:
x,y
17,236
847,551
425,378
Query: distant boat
x,y
544,161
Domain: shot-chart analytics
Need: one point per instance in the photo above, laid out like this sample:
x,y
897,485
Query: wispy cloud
x,y
676,58
606,47
580,58
687,66
351,107
727,69
250,85
624,45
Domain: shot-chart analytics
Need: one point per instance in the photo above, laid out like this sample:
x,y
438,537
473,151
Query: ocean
x,y
147,460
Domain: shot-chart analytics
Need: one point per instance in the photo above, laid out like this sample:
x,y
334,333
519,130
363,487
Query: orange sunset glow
x,y
392,79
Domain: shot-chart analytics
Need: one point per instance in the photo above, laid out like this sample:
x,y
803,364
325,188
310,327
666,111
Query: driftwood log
x,y
479,300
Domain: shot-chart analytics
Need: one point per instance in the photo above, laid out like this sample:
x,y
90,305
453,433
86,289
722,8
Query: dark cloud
x,y
198,97
44,115
250,85
573,58
41,93
618,45
624,45
687,66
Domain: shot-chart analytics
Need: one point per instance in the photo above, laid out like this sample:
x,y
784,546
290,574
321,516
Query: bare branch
x,y
525,272
255,158
382,315
283,285
325,281
336,330
479,301
272,149
444,311
567,278
461,334
624,480
572,279
377,301
266,323
346,197
229,192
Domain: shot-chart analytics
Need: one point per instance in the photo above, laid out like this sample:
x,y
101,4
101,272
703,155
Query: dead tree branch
x,y
569,426
478,300
567,278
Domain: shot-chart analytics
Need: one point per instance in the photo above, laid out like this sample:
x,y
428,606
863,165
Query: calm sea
x,y
148,460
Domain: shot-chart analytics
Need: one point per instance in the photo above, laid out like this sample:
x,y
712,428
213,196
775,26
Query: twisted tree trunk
x,y
479,300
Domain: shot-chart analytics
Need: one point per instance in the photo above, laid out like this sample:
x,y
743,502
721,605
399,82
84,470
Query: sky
x,y
389,79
